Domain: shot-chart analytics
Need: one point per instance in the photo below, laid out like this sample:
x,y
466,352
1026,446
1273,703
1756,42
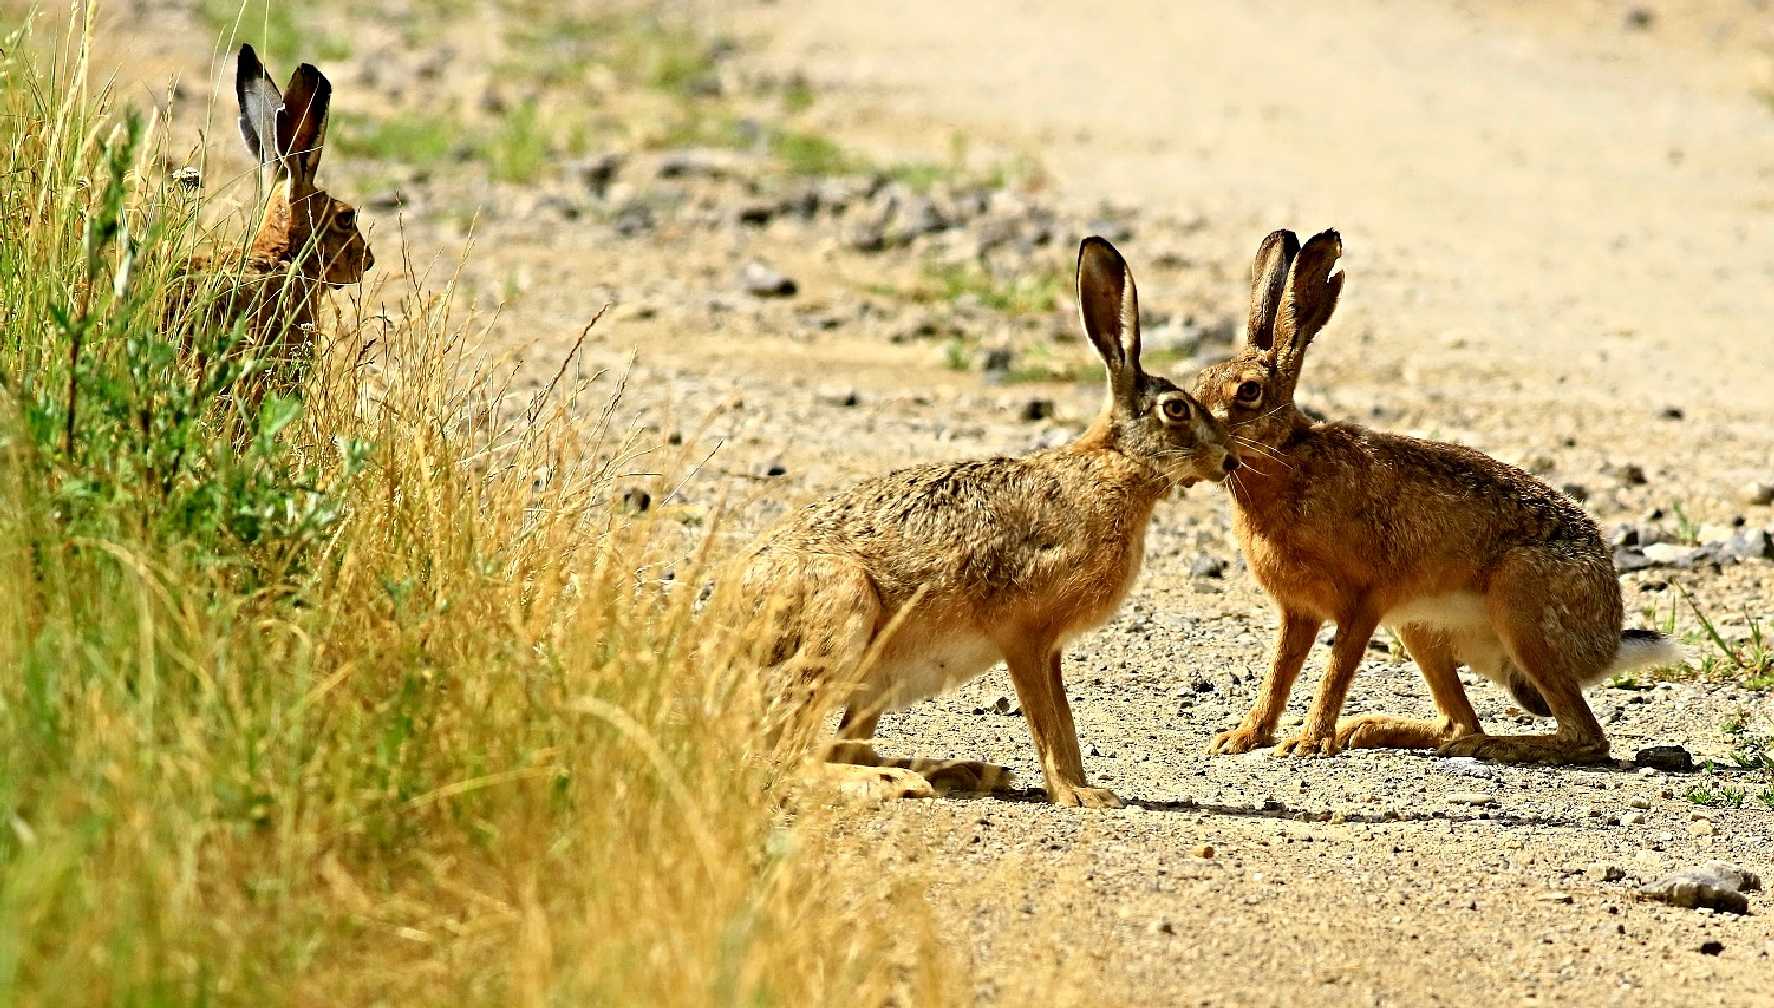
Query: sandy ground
x,y
1558,228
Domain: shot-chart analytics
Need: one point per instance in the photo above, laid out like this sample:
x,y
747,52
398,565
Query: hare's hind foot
x,y
1384,731
1309,743
1549,750
877,784
962,775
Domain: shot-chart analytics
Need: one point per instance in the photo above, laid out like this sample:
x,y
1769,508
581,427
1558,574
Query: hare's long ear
x,y
259,102
1309,300
1268,279
301,125
1110,307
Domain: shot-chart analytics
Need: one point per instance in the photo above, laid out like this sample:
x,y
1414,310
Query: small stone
x,y
1639,18
1037,409
1702,828
773,467
1712,947
696,164
837,395
1629,560
1671,413
1162,926
1203,851
1749,544
1556,897
596,173
1001,705
1713,532
1634,819
1672,555
1758,493
1673,758
1631,474
633,218
1606,872
996,360
756,214
1205,566
188,178
1623,535
1716,886
635,500
867,238
759,280
1474,798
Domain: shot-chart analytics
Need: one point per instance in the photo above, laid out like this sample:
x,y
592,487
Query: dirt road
x,y
1557,226
1560,235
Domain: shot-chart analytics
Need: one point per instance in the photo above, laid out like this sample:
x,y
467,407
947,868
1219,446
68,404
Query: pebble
x,y
1749,544
1605,872
1203,851
1635,819
759,280
1205,566
597,172
1672,555
837,395
1758,493
1673,758
1715,886
1036,409
635,500
1477,798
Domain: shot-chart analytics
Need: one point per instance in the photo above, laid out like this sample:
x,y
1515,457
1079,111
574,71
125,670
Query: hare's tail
x,y
1644,649
1639,649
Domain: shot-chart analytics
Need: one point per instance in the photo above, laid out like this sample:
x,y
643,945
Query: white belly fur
x,y
924,664
1462,618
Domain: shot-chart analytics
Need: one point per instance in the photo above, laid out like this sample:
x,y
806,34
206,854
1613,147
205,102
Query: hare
x,y
307,240
920,580
1467,559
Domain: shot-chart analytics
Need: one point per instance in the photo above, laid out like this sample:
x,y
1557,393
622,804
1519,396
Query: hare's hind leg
x,y
857,726
1435,658
1554,659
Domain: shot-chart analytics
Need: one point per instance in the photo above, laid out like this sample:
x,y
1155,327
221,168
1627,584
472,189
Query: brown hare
x,y
307,241
1467,559
918,581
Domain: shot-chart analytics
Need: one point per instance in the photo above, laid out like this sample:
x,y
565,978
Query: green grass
x,y
313,695
517,147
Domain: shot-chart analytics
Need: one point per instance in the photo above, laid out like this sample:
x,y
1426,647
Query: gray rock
x,y
1204,566
996,360
632,219
1623,535
697,163
1716,886
759,280
1628,560
1673,758
1672,555
866,238
1749,544
755,214
1758,493
1037,409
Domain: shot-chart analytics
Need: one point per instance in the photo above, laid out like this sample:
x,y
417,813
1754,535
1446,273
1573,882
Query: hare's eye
x,y
1249,393
1175,409
345,218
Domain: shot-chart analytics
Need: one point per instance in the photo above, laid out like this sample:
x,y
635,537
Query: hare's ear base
x,y
1109,305
1268,282
259,102
1311,296
301,124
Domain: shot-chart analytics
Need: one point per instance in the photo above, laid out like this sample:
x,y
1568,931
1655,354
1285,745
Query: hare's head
x,y
1147,417
285,131
1292,295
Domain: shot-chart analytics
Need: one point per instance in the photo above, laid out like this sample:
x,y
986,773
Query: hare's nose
x,y
1229,463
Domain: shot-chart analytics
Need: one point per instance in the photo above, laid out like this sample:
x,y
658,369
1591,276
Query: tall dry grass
x,y
368,696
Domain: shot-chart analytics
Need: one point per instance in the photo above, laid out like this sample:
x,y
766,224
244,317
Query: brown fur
x,y
307,240
937,572
1469,559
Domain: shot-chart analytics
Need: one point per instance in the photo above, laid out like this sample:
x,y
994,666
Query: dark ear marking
x,y
1311,297
1268,281
259,102
1109,305
301,125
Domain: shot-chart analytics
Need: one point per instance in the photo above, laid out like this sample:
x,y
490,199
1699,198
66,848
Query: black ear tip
x,y
1097,249
248,65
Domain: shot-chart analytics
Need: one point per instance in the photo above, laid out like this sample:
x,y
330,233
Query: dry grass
x,y
408,716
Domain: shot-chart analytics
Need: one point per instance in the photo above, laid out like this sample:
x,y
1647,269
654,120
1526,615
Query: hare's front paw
x,y
1239,740
879,784
1086,797
1310,743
